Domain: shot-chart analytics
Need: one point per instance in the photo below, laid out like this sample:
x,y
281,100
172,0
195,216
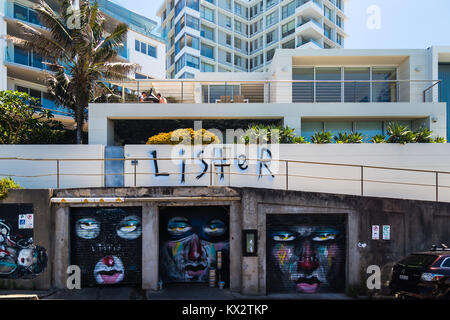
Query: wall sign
x,y
26,221
375,232
386,232
250,243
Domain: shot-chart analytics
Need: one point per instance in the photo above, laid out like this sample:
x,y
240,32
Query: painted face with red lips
x,y
109,270
305,257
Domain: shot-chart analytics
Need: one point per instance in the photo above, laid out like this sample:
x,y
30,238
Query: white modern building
x,y
242,35
23,71
310,90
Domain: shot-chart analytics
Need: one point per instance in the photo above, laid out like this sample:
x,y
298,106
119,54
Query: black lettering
x,y
263,162
205,166
242,159
155,163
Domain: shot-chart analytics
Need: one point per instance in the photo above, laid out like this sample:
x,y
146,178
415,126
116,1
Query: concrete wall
x,y
415,226
43,224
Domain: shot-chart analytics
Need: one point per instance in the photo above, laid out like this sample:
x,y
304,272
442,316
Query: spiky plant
x,y
78,51
322,137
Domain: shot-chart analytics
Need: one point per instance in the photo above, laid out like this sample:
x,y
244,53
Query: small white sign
x,y
26,221
387,232
375,232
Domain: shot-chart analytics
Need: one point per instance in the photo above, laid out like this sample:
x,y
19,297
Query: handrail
x,y
286,173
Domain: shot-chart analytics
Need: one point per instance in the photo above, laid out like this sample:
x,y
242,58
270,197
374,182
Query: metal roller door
x,y
106,243
306,253
190,240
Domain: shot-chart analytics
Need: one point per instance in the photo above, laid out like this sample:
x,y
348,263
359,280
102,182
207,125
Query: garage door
x,y
106,243
306,253
190,239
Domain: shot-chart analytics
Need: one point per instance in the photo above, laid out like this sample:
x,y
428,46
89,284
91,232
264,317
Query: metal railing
x,y
214,162
266,91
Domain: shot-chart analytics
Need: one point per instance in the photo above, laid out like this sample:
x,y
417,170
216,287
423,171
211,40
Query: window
x,y
228,39
179,25
143,48
339,21
207,51
193,4
207,13
206,67
237,8
237,60
228,22
339,39
193,62
192,42
303,91
328,13
237,43
327,31
228,57
179,7
237,26
192,22
339,4
384,91
207,32
187,75
179,45
289,45
271,19
269,54
328,91
357,91
180,63
137,45
228,4
446,263
288,28
270,37
288,10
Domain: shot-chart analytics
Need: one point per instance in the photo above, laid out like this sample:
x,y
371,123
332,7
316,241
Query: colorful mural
x,y
20,258
306,258
189,240
106,244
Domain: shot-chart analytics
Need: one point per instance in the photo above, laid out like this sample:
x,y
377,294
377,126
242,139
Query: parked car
x,y
423,274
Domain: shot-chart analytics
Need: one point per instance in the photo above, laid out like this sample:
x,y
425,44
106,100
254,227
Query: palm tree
x,y
78,50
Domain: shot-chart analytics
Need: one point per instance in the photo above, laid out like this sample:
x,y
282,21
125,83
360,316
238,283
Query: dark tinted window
x,y
418,260
446,263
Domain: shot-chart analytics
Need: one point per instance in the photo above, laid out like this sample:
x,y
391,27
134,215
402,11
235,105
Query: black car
x,y
422,272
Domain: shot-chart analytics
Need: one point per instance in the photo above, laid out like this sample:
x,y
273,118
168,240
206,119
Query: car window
x,y
418,260
446,263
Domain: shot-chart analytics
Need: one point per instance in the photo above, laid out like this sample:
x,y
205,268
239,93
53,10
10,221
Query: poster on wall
x,y
106,243
306,256
20,258
190,238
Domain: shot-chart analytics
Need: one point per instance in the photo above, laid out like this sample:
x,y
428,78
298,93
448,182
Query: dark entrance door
x,y
106,243
190,239
306,253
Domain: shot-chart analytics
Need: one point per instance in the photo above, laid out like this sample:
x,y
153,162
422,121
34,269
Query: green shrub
x,y
5,185
322,137
423,135
299,140
259,134
355,137
379,138
439,140
341,138
399,134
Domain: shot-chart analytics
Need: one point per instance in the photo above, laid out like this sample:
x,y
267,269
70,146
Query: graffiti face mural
x,y
309,259
107,245
20,258
190,239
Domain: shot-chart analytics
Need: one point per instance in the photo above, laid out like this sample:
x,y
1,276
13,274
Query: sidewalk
x,y
170,292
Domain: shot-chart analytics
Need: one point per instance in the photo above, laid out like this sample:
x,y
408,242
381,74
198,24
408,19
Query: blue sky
x,y
402,24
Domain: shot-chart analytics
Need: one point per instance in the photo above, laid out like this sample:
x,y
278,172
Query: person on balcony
x,y
161,98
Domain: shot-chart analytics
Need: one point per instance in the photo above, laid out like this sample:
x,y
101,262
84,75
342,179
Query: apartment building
x,y
337,90
242,35
22,70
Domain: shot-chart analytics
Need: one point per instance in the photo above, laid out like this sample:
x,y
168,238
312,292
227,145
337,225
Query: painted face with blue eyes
x,y
306,257
129,228
87,228
191,243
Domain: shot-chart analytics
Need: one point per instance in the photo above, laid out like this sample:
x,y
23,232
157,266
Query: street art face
x,y
307,258
190,239
107,245
109,270
20,258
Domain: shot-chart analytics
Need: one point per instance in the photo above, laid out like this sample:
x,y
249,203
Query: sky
x,y
372,24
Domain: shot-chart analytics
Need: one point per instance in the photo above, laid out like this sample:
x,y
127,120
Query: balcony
x,y
311,43
276,91
20,12
17,55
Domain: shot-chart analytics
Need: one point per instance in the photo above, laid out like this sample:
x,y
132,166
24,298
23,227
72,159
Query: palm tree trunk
x,y
79,121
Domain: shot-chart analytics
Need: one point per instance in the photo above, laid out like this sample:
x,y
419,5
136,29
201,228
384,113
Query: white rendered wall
x,y
71,171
